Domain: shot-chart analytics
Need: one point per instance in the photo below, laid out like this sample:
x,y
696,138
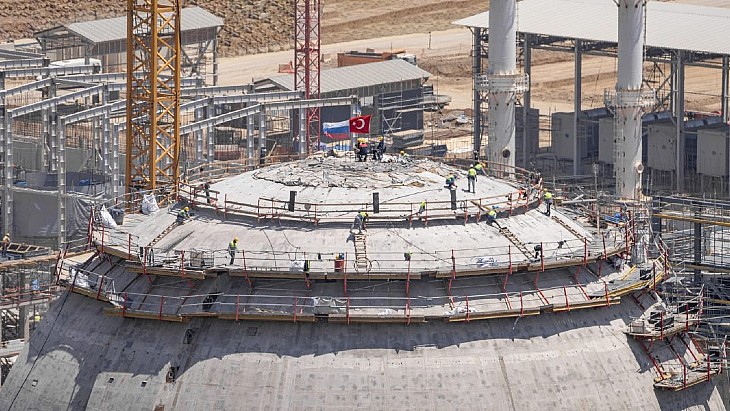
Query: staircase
x,y
513,238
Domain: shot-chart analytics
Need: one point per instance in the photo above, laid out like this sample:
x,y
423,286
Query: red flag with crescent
x,y
360,124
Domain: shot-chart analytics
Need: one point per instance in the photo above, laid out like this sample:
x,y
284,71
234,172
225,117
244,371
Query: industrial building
x,y
205,251
391,91
106,40
677,36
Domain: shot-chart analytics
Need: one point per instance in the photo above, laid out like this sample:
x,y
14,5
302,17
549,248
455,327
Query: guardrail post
x,y
162,302
245,270
585,251
522,306
605,253
608,300
102,237
468,318
686,317
100,286
567,303
453,270
124,306
296,300
542,258
129,245
238,301
347,310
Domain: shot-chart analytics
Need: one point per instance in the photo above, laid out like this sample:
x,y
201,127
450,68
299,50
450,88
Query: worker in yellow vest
x,y
232,248
472,179
548,197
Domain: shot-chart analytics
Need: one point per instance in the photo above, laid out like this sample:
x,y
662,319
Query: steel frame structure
x,y
307,55
153,84
669,82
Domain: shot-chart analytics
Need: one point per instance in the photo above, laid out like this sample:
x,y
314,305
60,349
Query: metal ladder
x,y
513,238
361,251
568,227
163,234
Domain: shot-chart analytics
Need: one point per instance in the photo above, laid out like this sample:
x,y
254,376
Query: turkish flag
x,y
360,124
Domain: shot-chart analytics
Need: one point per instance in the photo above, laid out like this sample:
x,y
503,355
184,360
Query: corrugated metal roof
x,y
668,25
361,75
115,29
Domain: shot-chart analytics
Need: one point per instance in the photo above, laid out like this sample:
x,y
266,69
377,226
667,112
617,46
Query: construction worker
x,y
232,248
451,182
480,168
359,222
6,244
380,149
548,197
362,154
183,215
492,218
422,208
472,179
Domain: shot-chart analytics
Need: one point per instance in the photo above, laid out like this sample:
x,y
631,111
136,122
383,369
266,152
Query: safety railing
x,y
505,204
296,262
459,306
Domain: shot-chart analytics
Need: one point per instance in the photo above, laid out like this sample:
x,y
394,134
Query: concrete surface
x,y
79,359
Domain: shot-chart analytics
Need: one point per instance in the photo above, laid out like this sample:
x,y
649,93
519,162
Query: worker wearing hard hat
x,y
183,215
232,248
379,149
471,177
548,197
6,244
492,217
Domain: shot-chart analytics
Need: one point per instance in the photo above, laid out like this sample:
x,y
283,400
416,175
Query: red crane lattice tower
x,y
306,62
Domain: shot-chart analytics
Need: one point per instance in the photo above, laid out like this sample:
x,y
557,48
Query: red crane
x,y
307,56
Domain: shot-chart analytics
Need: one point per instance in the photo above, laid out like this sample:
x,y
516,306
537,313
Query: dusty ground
x,y
255,25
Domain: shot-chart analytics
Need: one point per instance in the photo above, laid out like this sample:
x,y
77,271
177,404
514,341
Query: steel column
x,y
526,99
477,72
679,115
577,100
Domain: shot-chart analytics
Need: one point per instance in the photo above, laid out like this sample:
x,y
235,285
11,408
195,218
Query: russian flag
x,y
337,131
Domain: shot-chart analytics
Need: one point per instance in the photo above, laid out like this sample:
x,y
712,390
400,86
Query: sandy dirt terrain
x,y
253,26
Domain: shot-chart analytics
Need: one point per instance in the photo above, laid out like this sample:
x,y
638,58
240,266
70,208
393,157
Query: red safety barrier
x,y
567,303
245,270
608,300
453,270
100,286
296,300
542,258
347,310
468,317
408,279
522,306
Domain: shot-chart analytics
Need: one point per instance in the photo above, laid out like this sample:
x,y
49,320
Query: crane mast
x,y
153,94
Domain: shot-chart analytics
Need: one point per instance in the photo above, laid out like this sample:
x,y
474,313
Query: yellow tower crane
x,y
153,94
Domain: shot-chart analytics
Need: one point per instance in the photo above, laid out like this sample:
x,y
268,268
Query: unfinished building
x,y
248,282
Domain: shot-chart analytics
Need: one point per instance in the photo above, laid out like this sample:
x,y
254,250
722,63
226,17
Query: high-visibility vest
x,y
492,214
472,172
182,213
548,195
232,245
478,166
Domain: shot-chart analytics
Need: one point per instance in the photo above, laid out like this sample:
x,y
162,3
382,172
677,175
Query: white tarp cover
x,y
149,204
106,218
